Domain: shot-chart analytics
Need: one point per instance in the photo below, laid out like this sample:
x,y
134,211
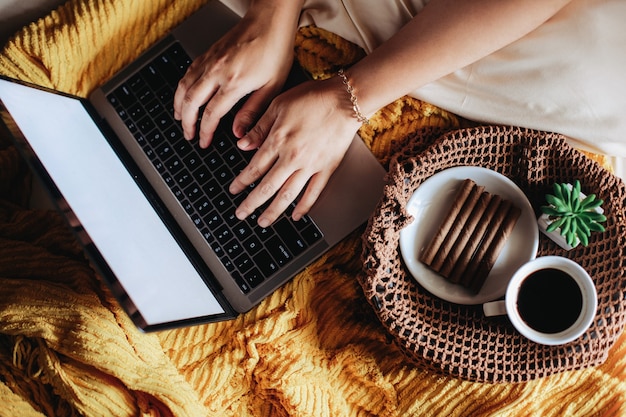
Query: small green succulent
x,y
576,216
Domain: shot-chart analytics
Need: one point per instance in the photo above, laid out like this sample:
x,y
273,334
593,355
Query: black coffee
x,y
549,300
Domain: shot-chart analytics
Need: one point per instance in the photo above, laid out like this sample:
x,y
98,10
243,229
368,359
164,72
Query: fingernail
x,y
233,189
264,222
241,215
238,132
243,142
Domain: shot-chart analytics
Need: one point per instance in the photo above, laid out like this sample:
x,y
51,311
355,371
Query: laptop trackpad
x,y
359,178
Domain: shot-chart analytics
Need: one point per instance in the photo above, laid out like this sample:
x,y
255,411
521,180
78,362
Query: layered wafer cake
x,y
471,236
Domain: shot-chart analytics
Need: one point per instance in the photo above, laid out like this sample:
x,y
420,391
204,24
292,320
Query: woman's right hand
x,y
253,58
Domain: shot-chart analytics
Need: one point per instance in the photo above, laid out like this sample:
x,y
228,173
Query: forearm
x,y
445,36
283,12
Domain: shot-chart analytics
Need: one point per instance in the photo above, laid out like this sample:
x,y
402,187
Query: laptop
x,y
152,209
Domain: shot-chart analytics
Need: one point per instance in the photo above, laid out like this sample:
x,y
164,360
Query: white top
x,y
567,76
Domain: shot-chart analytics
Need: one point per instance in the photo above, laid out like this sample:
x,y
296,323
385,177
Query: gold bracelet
x,y
355,105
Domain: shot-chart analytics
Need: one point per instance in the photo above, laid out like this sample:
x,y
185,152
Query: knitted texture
x,y
314,348
459,339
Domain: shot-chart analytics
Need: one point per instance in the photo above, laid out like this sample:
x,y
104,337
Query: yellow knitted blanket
x,y
314,348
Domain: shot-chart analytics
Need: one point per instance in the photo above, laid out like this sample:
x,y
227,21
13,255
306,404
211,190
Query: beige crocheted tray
x,y
459,339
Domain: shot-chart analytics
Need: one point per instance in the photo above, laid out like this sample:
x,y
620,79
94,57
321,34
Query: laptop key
x,y
311,234
252,245
278,250
164,120
145,94
174,165
222,144
166,96
241,282
207,234
238,198
183,178
232,157
178,193
213,161
192,160
303,223
180,58
233,248
182,146
168,69
265,263
170,181
231,218
203,206
242,231
145,125
188,208
193,192
154,107
125,97
160,166
154,137
164,151
244,263
202,174
196,220
135,82
136,111
174,135
217,249
224,175
223,234
213,220
264,233
140,138
228,263
152,77
222,203
211,188
254,277
131,126
290,236
150,154
239,167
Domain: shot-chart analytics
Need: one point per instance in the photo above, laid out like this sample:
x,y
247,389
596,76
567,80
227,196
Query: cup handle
x,y
494,308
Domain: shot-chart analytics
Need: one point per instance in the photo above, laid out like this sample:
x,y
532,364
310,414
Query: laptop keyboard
x,y
199,178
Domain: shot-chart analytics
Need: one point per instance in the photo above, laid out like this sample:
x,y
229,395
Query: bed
x,y
316,347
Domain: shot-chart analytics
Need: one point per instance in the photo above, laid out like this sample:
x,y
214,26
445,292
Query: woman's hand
x,y
238,65
302,138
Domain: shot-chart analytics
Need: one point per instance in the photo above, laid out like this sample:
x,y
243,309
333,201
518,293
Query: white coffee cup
x,y
550,300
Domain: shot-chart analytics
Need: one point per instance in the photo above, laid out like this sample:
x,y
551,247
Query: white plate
x,y
430,203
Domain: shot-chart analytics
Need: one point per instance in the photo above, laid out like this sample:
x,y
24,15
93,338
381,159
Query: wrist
x,y
272,25
352,95
336,92
276,11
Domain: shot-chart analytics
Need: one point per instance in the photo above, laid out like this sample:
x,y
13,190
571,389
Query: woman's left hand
x,y
301,139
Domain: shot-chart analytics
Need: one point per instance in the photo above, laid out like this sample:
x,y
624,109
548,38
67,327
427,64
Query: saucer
x,y
430,203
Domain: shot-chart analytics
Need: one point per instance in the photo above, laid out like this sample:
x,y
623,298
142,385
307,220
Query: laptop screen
x,y
127,231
